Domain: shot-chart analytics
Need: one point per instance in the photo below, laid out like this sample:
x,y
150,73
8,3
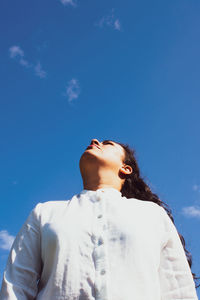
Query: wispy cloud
x,y
196,187
6,240
39,71
68,2
24,62
17,53
14,182
72,89
191,211
110,20
117,24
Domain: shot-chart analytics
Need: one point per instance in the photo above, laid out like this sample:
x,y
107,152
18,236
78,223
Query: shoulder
x,y
149,211
45,210
145,205
50,205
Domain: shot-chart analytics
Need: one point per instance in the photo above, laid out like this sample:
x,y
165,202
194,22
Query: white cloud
x,y
6,240
110,21
72,89
191,211
68,2
18,54
196,187
16,51
39,71
24,62
117,24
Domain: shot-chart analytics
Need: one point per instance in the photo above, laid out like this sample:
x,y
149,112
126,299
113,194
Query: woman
x,y
113,241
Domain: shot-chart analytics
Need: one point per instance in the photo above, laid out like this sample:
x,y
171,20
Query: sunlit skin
x,y
101,165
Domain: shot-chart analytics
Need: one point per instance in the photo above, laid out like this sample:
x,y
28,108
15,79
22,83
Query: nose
x,y
94,141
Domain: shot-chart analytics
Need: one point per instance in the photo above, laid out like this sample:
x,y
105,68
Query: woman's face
x,y
107,153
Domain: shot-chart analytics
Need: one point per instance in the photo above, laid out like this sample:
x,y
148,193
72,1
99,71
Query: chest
x,y
83,228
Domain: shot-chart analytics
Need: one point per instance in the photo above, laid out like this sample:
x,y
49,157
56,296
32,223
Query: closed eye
x,y
107,142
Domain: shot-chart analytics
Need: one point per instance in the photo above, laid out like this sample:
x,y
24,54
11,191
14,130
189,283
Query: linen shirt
x,y
98,246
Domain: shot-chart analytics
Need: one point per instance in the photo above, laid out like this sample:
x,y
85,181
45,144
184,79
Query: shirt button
x,y
103,272
100,241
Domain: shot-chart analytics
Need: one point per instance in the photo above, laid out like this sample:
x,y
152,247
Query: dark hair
x,y
135,187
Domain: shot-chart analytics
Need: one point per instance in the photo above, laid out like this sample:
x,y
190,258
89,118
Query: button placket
x,y
100,253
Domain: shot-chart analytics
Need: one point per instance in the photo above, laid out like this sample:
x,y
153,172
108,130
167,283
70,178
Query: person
x,y
115,240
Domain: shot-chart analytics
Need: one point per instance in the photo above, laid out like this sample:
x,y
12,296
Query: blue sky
x,y
76,70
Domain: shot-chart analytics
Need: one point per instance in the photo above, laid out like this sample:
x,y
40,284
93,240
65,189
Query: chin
x,y
88,156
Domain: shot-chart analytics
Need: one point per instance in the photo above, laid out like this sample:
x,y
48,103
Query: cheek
x,y
113,158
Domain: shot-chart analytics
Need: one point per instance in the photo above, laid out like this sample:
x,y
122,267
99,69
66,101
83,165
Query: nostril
x,y
94,141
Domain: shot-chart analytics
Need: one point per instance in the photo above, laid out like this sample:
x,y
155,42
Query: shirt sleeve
x,y
24,262
176,280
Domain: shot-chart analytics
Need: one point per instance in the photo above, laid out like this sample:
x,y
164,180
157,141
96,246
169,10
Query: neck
x,y
98,180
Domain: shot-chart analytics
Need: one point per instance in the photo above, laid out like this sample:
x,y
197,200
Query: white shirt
x,y
98,246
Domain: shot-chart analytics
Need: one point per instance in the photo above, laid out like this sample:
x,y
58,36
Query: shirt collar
x,y
107,191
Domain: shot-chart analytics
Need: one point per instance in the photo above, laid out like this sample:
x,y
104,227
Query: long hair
x,y
135,187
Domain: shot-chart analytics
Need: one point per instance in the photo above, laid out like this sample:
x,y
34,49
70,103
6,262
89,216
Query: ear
x,y
126,169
